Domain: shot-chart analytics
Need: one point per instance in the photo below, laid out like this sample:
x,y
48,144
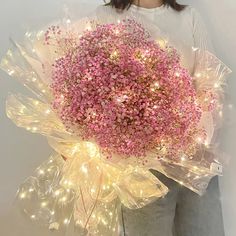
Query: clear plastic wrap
x,y
77,181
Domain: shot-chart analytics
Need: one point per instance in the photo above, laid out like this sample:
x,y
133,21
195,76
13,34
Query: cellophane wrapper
x,y
77,182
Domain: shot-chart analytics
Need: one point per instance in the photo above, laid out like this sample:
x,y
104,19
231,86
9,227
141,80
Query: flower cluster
x,y
120,87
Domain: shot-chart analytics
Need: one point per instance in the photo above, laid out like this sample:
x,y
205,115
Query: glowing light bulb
x,y
22,195
198,75
4,62
57,192
199,139
9,53
144,58
64,199
11,72
156,84
162,43
93,190
47,111
104,222
54,226
84,169
66,221
206,144
22,109
41,172
115,53
43,204
39,34
177,74
31,190
34,129
118,100
27,34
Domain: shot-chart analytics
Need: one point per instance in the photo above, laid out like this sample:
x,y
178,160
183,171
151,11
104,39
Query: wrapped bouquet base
x,y
114,102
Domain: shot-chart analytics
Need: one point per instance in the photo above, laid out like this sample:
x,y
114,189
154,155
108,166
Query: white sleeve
x,y
203,42
200,32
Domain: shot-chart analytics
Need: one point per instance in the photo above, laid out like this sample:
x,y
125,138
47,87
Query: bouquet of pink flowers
x,y
114,101
120,87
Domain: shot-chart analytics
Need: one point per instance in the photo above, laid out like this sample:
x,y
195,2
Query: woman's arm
x,y
200,33
202,43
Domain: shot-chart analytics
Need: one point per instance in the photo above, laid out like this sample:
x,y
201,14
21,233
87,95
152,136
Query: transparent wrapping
x,y
77,181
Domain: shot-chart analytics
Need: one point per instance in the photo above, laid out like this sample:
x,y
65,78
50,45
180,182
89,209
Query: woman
x,y
181,212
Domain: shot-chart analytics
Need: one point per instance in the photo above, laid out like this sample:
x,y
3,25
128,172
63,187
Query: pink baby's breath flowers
x,y
118,86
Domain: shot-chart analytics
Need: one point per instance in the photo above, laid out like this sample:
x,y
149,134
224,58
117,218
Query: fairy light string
x,y
113,103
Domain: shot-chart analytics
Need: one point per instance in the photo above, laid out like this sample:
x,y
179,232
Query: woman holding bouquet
x,y
130,96
181,212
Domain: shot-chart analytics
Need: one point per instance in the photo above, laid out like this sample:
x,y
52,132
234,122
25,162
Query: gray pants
x,y
180,213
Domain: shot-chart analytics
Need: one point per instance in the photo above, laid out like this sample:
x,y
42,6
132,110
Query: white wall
x,y
22,151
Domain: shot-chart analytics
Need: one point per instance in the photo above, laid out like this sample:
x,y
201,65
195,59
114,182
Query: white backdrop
x,y
22,152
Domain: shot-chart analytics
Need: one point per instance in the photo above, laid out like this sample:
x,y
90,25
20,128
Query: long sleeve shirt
x,y
185,30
